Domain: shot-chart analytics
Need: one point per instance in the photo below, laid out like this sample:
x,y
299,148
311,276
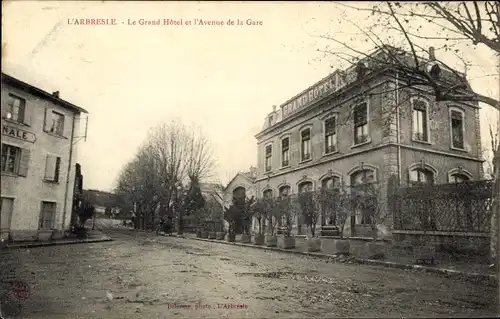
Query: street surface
x,y
140,275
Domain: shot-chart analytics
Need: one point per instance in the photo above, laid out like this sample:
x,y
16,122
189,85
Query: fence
x,y
460,207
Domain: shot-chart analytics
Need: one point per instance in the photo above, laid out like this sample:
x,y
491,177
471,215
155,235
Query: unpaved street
x,y
168,277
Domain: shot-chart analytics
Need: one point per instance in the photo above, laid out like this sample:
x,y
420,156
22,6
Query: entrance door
x,y
6,206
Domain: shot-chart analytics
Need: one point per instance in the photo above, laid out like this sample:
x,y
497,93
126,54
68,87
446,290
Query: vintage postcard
x,y
219,159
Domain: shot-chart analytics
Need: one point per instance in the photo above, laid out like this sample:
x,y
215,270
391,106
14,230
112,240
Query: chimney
x,y
432,55
56,94
274,108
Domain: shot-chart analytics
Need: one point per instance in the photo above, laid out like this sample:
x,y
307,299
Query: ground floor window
x,y
47,216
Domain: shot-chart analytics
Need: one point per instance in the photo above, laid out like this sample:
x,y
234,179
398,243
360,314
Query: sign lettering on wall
x,y
18,133
325,87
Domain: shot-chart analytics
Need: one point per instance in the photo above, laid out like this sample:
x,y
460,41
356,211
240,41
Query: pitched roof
x,y
41,93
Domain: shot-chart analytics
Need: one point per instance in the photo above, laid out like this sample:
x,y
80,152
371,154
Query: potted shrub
x,y
309,210
287,208
246,217
342,206
230,215
370,205
220,235
273,216
259,212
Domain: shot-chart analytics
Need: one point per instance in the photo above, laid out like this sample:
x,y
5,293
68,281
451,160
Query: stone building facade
x,y
38,161
355,127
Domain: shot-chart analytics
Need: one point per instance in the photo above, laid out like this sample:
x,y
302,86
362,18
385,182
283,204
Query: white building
x,y
38,160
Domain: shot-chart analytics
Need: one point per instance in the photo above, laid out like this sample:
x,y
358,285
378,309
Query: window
x,y
47,216
420,121
459,178
52,168
269,154
284,191
331,182
57,124
359,180
330,135
362,177
305,144
361,123
285,152
421,176
16,108
11,156
457,129
268,193
305,187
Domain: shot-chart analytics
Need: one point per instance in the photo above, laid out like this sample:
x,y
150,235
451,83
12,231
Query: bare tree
x,y
138,185
200,160
490,152
171,155
400,33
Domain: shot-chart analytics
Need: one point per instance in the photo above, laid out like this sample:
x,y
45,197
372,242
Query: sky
x,y
132,77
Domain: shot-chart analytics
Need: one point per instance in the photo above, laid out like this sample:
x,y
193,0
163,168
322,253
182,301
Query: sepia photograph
x,y
239,159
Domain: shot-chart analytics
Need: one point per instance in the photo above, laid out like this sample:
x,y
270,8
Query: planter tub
x,y
342,247
424,254
212,235
376,250
271,241
259,239
58,234
286,242
45,235
231,238
204,234
245,239
313,245
220,235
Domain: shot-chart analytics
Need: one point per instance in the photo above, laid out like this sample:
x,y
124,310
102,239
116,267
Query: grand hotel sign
x,y
325,87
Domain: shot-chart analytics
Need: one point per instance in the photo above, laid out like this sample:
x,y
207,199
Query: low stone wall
x,y
465,243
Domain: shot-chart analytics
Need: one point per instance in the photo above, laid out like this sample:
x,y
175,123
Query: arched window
x,y
284,190
268,193
459,178
361,177
239,194
305,187
331,182
421,176
420,119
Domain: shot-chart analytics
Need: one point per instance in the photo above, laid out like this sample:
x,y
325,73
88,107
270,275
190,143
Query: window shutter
x,y
5,108
28,113
48,120
24,162
68,122
50,167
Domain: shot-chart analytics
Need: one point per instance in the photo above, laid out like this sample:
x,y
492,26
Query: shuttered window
x,y
52,168
15,160
16,108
